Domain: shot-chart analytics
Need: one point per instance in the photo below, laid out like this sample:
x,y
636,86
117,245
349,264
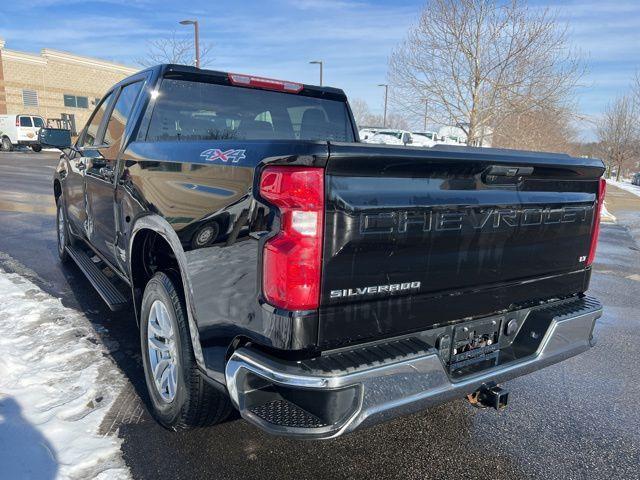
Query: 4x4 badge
x,y
214,154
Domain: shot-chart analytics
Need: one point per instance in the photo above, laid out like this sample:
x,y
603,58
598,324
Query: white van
x,y
20,130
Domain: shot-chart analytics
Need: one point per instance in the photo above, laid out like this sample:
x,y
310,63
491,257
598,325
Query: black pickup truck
x,y
315,283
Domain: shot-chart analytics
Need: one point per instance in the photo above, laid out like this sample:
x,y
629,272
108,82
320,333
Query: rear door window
x,y
26,122
93,127
121,112
38,122
190,110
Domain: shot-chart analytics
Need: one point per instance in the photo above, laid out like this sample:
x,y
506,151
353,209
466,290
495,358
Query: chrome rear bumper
x,y
330,397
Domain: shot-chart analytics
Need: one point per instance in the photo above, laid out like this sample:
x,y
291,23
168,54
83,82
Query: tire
x,y
191,401
63,239
36,148
6,145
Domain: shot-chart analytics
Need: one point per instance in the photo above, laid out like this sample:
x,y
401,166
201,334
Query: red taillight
x,y
17,121
267,83
292,260
595,232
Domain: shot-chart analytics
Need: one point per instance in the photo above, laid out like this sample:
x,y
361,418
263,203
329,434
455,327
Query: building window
x,y
29,98
75,101
82,102
69,100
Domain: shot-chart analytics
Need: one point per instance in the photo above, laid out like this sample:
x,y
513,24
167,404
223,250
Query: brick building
x,y
55,84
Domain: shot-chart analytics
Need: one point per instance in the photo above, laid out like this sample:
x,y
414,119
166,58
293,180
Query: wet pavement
x,y
578,419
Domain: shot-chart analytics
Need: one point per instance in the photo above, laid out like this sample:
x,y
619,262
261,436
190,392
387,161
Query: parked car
x,y
635,179
424,139
451,135
20,130
390,137
343,284
366,133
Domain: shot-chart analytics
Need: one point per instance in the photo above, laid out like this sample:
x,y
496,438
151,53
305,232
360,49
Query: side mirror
x,y
54,137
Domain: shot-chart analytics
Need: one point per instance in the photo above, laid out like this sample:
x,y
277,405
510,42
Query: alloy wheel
x,y
61,230
161,348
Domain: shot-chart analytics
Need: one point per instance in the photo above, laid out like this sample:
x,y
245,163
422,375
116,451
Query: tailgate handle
x,y
509,171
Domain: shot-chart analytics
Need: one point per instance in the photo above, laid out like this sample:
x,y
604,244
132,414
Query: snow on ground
x,y
56,385
606,215
628,186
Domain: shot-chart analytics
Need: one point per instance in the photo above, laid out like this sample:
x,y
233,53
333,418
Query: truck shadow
x,y
24,451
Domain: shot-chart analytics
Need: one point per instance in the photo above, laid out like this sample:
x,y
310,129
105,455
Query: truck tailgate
x,y
422,237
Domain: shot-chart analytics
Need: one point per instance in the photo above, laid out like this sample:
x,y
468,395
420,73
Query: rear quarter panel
x,y
190,187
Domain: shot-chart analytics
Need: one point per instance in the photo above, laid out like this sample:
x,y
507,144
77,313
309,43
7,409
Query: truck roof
x,y
221,77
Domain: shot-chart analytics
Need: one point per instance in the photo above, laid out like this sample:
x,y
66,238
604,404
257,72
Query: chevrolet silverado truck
x,y
317,284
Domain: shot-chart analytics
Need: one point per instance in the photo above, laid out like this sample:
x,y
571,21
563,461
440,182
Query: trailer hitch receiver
x,y
489,395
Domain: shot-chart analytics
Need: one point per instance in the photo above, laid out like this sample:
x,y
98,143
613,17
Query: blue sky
x,y
277,38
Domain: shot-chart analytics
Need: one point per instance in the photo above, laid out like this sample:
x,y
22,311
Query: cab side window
x,y
120,114
93,127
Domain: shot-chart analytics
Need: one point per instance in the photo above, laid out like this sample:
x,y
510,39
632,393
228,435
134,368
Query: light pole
x,y
321,63
426,109
197,41
386,94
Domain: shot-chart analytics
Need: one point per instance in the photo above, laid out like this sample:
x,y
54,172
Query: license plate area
x,y
475,342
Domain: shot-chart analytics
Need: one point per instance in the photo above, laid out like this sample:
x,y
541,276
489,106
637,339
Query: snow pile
x,y
56,385
606,215
627,186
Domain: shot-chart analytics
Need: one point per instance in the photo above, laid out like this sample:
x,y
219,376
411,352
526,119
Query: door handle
x,y
509,171
505,174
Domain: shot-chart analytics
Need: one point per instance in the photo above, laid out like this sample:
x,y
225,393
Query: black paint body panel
x,y
475,243
169,188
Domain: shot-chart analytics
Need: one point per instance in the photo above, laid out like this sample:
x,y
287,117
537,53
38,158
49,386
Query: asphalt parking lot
x,y
578,419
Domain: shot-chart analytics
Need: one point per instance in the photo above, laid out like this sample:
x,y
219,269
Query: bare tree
x,y
635,91
397,121
360,110
480,62
174,49
364,116
618,134
547,128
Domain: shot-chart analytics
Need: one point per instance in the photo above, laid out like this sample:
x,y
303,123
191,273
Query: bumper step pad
x,y
371,355
286,414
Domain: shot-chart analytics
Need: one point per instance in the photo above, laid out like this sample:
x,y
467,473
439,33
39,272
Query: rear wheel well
x,y
151,253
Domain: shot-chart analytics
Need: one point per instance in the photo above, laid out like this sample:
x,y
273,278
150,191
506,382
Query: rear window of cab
x,y
190,110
